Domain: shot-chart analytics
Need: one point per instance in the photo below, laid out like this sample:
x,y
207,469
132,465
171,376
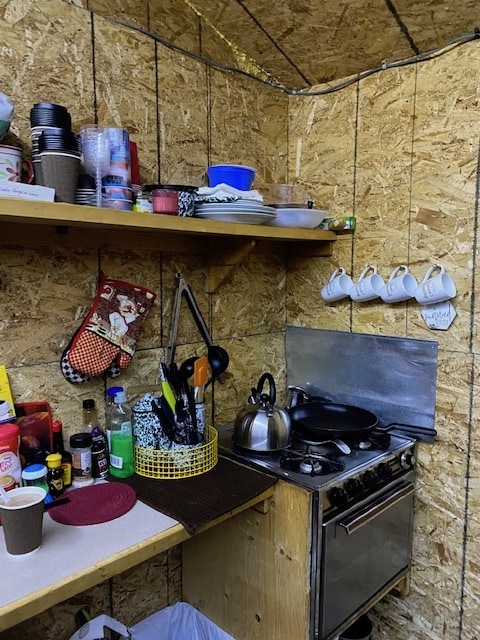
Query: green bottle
x,y
121,438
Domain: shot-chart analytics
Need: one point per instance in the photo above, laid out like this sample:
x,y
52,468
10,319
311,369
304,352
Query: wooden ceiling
x,y
301,43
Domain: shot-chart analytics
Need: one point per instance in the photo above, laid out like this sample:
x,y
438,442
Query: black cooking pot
x,y
317,420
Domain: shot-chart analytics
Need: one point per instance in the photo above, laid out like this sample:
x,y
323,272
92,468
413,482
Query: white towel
x,y
225,193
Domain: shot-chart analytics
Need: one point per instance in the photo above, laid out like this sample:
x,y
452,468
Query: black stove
x,y
374,459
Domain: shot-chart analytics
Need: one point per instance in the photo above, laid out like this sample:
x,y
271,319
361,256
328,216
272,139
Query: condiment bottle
x,y
99,440
121,438
58,447
54,474
81,447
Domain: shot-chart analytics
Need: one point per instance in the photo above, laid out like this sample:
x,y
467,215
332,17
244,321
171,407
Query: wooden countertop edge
x,y
27,607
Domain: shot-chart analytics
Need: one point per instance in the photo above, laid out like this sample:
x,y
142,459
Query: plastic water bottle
x,y
121,438
109,403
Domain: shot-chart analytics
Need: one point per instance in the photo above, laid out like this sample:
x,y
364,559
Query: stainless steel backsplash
x,y
395,378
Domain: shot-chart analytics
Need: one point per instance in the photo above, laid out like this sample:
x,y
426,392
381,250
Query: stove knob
x,y
354,487
384,471
370,479
407,460
338,497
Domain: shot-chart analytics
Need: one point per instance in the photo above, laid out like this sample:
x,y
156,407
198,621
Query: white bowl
x,y
296,217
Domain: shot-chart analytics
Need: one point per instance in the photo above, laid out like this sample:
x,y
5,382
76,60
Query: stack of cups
x,y
55,150
117,192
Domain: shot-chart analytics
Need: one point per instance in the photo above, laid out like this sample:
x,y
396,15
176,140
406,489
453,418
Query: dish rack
x,y
183,462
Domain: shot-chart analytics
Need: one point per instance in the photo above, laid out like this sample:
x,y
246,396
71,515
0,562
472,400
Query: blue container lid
x,y
34,472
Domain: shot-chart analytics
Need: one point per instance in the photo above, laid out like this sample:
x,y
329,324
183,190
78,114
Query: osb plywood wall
x,y
399,151
61,52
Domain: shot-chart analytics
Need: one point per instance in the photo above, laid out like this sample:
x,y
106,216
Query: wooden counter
x,y
73,559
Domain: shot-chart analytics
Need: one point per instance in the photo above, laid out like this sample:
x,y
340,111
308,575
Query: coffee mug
x,y
12,167
434,289
399,287
367,287
338,286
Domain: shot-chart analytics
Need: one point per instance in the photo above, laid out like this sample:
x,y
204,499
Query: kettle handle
x,y
271,382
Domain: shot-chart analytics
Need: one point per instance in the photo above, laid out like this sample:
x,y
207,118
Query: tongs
x,y
217,356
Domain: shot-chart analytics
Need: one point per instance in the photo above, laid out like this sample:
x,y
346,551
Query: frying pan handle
x,y
273,391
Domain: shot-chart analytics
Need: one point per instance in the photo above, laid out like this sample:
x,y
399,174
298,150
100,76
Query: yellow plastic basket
x,y
178,463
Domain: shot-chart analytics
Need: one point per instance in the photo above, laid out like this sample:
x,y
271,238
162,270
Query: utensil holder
x,y
183,462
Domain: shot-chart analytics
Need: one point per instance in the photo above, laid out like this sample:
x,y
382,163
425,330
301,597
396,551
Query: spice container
x,y
81,447
35,475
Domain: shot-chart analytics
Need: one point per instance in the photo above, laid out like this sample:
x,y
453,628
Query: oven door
x,y
365,550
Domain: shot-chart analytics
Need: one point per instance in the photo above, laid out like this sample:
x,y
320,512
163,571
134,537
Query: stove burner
x,y
310,463
376,441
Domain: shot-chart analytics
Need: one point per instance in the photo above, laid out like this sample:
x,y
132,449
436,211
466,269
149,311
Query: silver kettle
x,y
262,426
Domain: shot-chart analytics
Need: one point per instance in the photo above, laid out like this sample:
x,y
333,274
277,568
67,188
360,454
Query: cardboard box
x,y
26,191
7,408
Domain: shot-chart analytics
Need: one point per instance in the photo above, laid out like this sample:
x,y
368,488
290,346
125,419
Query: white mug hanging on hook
x,y
400,286
367,287
338,286
435,288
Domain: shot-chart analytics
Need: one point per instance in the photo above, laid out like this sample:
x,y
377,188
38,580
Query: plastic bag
x,y
180,621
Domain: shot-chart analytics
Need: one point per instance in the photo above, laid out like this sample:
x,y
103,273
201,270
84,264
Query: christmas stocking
x,y
109,333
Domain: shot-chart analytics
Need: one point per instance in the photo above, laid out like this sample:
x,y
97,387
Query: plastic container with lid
x,y
81,448
172,199
35,475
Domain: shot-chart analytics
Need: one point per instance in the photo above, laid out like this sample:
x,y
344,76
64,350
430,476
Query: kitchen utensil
x,y
200,377
338,286
368,286
400,286
56,503
262,426
236,175
187,368
217,356
218,359
435,289
324,420
166,387
304,218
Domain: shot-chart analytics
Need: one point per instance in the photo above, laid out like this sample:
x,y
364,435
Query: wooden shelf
x,y
226,244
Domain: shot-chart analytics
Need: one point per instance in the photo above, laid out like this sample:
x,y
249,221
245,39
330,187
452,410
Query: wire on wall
x,y
420,57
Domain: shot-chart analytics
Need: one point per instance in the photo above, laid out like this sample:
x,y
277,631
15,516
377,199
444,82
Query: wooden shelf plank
x,y
66,215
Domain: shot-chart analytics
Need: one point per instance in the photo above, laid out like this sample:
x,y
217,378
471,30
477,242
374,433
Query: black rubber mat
x,y
197,500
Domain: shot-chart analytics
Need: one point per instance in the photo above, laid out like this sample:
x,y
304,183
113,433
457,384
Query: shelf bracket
x,y
223,256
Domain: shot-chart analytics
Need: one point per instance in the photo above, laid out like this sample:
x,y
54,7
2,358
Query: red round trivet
x,y
95,504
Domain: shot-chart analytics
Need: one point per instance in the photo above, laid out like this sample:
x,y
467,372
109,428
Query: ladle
x,y
218,359
187,368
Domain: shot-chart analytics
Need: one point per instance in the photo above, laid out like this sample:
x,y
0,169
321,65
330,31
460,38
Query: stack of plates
x,y
246,211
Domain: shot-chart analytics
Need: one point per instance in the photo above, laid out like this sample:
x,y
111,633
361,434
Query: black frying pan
x,y
325,420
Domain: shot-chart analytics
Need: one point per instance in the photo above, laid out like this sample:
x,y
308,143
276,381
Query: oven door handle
x,y
357,520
